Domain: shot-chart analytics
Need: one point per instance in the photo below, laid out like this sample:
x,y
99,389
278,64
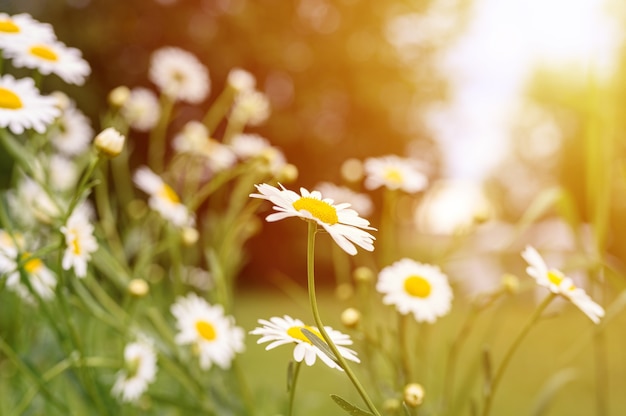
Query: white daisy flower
x,y
394,172
49,57
62,173
32,204
141,109
214,337
79,241
22,26
342,223
250,107
10,246
163,199
361,203
247,146
241,80
110,142
194,139
179,75
41,279
23,107
560,284
417,288
140,368
73,133
287,330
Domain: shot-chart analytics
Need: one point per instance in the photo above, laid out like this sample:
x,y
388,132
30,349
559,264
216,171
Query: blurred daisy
x,y
41,279
49,57
23,107
179,75
31,203
417,288
79,241
194,139
139,371
62,173
22,26
163,199
247,146
560,284
251,107
343,224
213,336
287,330
241,80
73,133
394,172
141,109
361,203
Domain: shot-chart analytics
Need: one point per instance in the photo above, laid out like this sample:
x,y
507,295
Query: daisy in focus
x,y
163,199
179,75
213,336
79,241
49,57
343,224
248,146
287,330
139,371
23,107
22,26
412,287
393,172
560,284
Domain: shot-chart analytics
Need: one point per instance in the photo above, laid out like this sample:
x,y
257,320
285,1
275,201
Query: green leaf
x,y
348,407
320,343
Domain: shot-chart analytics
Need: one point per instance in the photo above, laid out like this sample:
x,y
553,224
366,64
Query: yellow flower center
x,y
417,286
9,100
166,192
76,246
393,175
321,210
32,264
555,277
206,330
44,52
296,332
8,26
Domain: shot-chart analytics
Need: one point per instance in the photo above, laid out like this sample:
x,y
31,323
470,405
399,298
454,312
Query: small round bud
x,y
190,236
350,317
510,283
344,291
352,170
109,142
363,274
288,173
413,394
118,96
138,288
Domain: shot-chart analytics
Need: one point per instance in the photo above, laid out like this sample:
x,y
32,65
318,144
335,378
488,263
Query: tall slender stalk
x,y
318,320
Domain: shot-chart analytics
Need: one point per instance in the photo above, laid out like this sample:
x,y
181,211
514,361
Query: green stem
x,y
402,345
82,186
318,320
491,389
156,147
292,387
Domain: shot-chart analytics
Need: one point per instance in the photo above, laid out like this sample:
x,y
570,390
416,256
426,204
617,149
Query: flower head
x,y
560,284
251,107
179,75
79,241
194,139
342,223
50,57
163,199
287,330
140,370
22,26
421,289
394,172
141,109
73,133
23,107
241,80
110,142
214,336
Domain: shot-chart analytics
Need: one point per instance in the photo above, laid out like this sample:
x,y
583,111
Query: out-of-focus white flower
x,y
23,107
141,109
110,142
79,241
179,75
31,203
62,172
194,139
73,134
394,172
241,80
251,107
140,368
20,27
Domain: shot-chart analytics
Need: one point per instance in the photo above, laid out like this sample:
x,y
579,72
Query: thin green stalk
x,y
491,389
292,387
156,147
388,226
403,322
82,185
219,109
318,320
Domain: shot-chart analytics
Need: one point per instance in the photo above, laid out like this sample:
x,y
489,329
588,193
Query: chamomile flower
x,y
73,133
49,57
361,203
560,284
41,279
22,26
141,109
32,204
394,172
251,107
241,80
417,288
342,223
287,330
79,241
194,139
247,146
23,107
179,75
140,368
163,199
213,336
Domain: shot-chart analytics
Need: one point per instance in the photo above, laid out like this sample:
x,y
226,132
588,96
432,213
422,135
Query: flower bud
x,y
363,274
190,236
110,142
138,288
118,96
289,173
413,394
350,317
